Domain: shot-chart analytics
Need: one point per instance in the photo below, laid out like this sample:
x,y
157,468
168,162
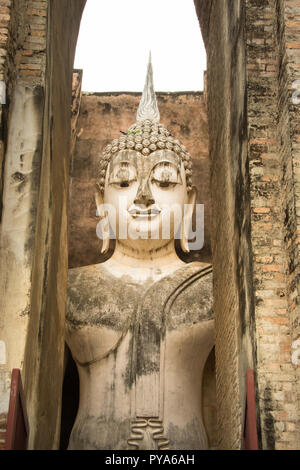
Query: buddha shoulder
x,y
192,300
95,297
181,298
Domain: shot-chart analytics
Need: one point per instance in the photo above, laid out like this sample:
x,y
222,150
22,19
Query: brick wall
x,y
267,224
5,6
22,40
289,46
288,41
255,244
4,35
32,59
273,218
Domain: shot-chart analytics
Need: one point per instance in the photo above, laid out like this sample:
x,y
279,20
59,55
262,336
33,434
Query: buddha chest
x,y
137,345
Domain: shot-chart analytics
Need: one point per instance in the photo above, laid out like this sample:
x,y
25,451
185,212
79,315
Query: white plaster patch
x,y
296,94
296,353
5,380
2,353
4,401
2,92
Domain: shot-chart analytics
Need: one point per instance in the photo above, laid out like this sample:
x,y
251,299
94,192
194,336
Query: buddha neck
x,y
141,264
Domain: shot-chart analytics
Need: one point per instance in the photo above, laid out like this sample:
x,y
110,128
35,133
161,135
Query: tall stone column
x,y
34,223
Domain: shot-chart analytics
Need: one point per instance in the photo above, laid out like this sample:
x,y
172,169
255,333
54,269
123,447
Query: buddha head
x,y
145,187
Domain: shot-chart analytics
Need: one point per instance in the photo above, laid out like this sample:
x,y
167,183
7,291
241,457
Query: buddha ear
x,y
103,225
187,219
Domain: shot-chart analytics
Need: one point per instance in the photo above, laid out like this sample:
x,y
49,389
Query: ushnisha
x,y
146,136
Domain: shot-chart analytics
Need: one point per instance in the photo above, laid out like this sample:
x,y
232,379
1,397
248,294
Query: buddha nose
x,y
144,196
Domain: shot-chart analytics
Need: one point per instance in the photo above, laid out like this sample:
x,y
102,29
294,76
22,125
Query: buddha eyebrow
x,y
117,161
167,163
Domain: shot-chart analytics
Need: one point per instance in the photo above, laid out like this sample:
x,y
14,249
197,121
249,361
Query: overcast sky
x,y
116,37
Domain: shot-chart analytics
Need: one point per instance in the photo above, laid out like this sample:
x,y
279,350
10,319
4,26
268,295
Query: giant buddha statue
x,y
140,325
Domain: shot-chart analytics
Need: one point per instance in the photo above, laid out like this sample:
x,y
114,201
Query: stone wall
x,y
45,343
100,120
230,228
22,54
19,153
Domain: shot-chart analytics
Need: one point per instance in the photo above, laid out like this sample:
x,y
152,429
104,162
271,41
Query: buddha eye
x,y
163,184
122,175
165,175
122,184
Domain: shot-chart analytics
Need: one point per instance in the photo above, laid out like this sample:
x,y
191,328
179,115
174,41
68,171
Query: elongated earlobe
x,y
105,241
184,244
187,220
103,225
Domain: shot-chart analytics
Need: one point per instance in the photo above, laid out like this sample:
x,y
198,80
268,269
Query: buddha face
x,y
148,194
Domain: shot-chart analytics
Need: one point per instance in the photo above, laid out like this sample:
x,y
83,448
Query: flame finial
x,y
148,108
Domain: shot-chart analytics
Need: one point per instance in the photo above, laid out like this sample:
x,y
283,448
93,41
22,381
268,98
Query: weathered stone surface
x,y
147,329
76,102
45,345
20,196
33,231
230,228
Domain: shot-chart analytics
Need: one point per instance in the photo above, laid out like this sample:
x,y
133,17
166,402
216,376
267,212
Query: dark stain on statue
x,y
130,371
112,434
147,338
189,308
108,304
187,437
